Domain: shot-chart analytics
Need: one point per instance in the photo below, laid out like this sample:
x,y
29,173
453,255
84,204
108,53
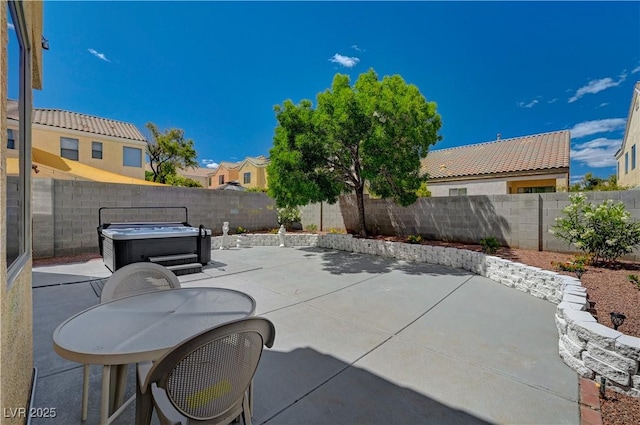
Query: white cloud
x,y
357,49
554,100
12,27
597,153
596,86
576,179
604,104
98,55
636,69
530,104
345,61
588,128
209,163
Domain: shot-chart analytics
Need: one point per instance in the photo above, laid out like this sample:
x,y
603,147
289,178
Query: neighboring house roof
x,y
80,122
258,161
53,166
233,185
636,93
546,151
228,165
197,172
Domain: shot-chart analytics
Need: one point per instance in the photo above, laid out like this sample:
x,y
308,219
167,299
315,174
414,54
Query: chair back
x,y
138,278
206,376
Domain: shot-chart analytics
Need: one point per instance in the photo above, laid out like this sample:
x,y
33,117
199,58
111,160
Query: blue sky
x,y
216,70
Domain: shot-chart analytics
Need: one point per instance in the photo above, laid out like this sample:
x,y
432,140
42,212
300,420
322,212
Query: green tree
x,y
592,183
423,191
168,151
372,134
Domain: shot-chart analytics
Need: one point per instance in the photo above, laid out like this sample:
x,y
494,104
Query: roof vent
x,y
498,136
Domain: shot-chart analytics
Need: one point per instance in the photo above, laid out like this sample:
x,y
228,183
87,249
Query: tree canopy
x,y
169,151
372,134
590,182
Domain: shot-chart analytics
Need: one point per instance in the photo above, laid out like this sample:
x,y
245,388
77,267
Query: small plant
x,y
635,279
336,231
415,239
288,216
240,230
274,231
490,245
605,231
577,265
311,228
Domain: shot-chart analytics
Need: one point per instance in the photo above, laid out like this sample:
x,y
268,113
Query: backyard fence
x,y
65,214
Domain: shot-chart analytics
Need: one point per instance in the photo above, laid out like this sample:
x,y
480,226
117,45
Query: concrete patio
x,y
359,340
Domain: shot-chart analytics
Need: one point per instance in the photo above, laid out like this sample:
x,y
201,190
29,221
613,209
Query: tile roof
x,y
258,161
546,151
80,122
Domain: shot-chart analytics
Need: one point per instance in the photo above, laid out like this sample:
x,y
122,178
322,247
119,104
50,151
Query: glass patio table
x,y
142,328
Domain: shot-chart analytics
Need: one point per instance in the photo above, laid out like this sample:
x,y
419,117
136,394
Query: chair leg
x,y
251,398
246,414
85,392
120,385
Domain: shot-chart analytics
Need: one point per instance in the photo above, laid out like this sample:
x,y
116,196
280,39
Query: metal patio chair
x,y
206,378
132,279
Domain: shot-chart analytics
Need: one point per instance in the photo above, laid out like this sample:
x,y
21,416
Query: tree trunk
x,y
360,202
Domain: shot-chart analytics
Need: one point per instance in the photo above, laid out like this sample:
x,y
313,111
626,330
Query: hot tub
x,y
125,243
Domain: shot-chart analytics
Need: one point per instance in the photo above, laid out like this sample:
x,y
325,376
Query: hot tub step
x,y
174,260
181,269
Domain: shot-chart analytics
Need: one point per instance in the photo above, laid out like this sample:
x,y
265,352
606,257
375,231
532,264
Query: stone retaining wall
x,y
591,349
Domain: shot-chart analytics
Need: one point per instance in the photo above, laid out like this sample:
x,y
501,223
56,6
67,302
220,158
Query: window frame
x,y
245,179
458,190
124,156
633,157
626,162
94,150
24,147
66,151
221,179
11,141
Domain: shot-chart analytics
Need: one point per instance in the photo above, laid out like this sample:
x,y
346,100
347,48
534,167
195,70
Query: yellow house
x,y
114,146
530,164
252,172
628,171
225,173
16,312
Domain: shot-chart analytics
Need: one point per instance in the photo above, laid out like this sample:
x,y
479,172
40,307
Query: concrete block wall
x,y
325,216
66,212
518,221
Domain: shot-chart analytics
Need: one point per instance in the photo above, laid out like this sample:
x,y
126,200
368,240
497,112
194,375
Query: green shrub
x,y
240,230
633,278
288,215
577,265
490,245
414,239
336,231
604,231
274,231
311,228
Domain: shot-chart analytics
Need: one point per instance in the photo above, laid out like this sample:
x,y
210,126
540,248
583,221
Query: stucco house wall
x,y
629,175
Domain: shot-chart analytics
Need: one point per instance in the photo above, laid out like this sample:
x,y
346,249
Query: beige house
x,y
201,175
225,173
114,146
253,172
529,164
628,170
16,338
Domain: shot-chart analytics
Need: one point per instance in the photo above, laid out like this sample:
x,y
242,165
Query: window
x,y
69,148
543,189
633,157
210,181
221,179
96,150
626,163
618,170
17,245
131,157
247,178
458,192
11,139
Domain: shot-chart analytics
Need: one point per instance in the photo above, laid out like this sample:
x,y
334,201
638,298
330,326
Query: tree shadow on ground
x,y
345,262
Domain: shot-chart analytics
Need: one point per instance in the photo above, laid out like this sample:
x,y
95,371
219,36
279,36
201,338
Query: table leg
x,y
120,384
104,402
85,391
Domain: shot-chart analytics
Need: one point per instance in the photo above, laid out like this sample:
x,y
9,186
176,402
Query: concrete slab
x,y
489,324
359,339
69,273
